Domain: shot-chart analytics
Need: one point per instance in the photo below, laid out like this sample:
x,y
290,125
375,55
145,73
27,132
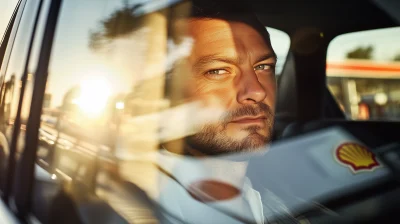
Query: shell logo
x,y
356,157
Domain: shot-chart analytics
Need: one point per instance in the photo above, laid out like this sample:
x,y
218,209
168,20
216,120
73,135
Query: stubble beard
x,y
213,139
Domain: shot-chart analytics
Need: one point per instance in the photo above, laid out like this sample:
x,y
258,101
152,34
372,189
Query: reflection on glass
x,y
102,80
12,78
140,109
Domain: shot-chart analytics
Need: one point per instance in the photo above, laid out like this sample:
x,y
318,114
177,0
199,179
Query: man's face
x,y
233,69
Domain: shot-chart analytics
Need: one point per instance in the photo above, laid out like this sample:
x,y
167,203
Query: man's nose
x,y
250,89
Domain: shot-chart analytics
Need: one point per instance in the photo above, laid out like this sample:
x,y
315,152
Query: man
x,y
232,71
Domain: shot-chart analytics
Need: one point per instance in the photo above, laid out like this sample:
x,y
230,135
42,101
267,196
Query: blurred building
x,y
47,100
368,85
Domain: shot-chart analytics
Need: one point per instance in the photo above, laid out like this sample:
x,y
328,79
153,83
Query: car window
x,y
363,74
115,92
13,76
106,73
281,43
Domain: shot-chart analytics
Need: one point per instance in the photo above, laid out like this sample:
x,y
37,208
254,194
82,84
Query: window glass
x,y
281,43
363,73
13,76
105,85
6,10
117,94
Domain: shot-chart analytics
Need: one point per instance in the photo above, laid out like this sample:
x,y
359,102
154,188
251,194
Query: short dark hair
x,y
236,11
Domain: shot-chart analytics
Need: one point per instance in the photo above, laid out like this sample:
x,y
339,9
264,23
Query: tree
x,y
120,23
397,57
361,53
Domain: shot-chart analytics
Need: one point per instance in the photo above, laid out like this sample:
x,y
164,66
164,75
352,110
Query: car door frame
x,y
18,197
7,43
24,173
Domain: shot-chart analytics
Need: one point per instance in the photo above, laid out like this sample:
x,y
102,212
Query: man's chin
x,y
256,140
253,142
221,144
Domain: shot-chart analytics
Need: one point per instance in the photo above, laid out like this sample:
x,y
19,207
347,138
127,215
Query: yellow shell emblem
x,y
356,157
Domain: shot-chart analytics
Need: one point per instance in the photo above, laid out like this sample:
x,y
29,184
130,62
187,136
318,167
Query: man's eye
x,y
263,67
217,72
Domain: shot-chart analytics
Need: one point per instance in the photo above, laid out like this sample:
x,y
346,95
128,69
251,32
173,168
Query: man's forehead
x,y
216,36
214,33
200,25
205,26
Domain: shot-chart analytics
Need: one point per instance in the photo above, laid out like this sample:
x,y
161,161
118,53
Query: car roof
x,y
333,17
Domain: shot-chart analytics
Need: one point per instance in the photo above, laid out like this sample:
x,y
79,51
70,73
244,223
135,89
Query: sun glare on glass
x,y
93,96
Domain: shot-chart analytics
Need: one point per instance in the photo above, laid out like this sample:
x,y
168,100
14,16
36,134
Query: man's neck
x,y
180,147
219,167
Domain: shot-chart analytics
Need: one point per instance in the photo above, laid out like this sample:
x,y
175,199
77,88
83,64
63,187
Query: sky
x,y
386,43
6,10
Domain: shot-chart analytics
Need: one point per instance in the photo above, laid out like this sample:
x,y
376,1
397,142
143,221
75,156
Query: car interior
x,y
305,105
312,25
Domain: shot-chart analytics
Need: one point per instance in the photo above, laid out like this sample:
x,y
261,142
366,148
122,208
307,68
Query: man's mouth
x,y
249,120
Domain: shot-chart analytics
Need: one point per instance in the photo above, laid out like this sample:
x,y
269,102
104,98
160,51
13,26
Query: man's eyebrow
x,y
205,60
267,56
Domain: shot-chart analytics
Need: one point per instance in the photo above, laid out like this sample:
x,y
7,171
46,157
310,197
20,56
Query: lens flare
x,y
93,96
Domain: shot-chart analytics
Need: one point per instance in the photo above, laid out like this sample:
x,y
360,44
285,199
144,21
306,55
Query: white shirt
x,y
173,196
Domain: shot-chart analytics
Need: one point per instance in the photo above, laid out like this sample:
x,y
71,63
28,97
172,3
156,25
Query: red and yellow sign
x,y
357,157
